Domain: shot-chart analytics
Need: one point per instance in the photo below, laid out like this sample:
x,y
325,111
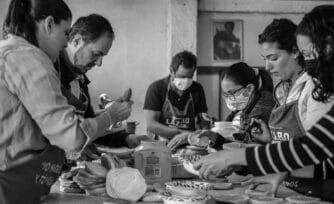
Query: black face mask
x,y
310,64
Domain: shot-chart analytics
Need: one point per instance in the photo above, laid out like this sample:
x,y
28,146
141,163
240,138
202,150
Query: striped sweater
x,y
316,146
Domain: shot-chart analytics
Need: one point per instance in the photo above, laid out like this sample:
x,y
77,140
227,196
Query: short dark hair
x,y
185,58
281,31
241,74
23,15
91,28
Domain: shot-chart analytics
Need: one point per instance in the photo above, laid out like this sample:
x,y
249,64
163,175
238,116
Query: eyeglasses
x,y
232,94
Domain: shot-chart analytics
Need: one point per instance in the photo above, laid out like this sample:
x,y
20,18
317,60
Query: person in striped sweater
x,y
318,143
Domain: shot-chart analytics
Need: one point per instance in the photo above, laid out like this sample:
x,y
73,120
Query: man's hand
x,y
262,135
274,179
118,111
126,96
178,140
220,163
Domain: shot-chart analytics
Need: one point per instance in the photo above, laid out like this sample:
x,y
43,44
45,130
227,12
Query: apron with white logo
x,y
171,116
28,182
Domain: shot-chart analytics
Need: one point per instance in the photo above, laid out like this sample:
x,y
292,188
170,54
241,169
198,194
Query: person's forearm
x,y
237,157
294,154
163,130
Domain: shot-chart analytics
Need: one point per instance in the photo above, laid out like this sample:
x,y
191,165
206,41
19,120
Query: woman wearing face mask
x,y
314,38
300,102
37,125
248,94
176,105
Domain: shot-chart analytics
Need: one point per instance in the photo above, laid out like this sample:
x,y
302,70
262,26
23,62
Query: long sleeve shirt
x,y
316,146
33,111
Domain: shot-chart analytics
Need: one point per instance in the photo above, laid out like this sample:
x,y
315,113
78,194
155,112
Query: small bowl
x,y
187,188
169,198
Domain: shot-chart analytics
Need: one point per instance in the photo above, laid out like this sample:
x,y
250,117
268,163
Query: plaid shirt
x,y
33,111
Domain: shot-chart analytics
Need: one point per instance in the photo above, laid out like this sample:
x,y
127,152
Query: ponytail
x,y
19,21
23,15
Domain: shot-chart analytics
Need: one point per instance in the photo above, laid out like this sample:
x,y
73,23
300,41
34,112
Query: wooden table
x,y
57,197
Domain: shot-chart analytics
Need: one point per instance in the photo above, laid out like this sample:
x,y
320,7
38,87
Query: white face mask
x,y
182,83
239,103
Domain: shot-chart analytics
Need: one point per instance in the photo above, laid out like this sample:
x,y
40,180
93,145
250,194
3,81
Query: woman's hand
x,y
274,179
262,134
219,163
178,140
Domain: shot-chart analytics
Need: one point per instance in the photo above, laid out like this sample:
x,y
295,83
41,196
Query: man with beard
x,y
90,39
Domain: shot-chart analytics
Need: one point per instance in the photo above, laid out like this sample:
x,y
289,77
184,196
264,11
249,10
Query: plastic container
x,y
153,160
225,129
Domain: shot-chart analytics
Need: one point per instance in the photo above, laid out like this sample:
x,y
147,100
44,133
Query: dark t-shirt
x,y
156,94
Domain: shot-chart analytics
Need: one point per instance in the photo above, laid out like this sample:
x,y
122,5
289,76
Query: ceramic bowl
x,y
187,188
169,198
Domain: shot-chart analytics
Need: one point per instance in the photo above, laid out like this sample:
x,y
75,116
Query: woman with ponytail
x,y
37,126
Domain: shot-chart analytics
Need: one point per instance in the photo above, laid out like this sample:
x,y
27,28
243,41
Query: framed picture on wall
x,y
227,42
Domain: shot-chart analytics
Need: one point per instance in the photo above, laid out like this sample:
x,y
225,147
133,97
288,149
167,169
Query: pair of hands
x,y
182,138
120,109
223,162
178,140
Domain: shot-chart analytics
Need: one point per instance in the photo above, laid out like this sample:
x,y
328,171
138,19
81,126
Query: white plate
x,y
222,186
169,198
232,198
266,200
301,199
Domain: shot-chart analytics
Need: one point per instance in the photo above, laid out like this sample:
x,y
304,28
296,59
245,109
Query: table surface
x,y
57,197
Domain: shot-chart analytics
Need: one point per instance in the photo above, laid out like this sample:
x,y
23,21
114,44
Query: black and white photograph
x,y
166,101
227,40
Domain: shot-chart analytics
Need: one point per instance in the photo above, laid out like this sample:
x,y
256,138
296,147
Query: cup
x,y
131,127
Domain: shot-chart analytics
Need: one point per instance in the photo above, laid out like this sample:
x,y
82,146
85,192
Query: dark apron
x,y
285,124
28,182
171,116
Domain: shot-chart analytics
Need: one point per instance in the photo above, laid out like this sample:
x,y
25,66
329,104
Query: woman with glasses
x,y
247,93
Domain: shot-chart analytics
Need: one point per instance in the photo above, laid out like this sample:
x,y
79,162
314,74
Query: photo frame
x,y
227,42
